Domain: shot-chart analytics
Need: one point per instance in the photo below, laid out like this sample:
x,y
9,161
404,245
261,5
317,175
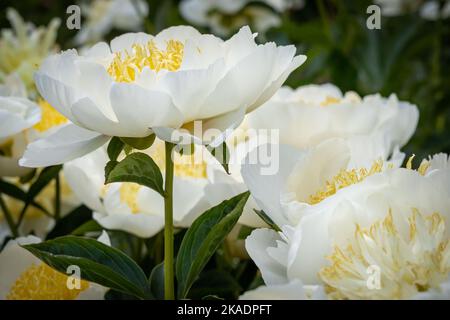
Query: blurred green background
x,y
409,55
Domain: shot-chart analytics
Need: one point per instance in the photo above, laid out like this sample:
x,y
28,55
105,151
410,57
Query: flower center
x,y
50,117
126,65
128,194
406,264
344,179
43,283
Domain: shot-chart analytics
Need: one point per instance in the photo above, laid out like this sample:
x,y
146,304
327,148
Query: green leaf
x,y
156,281
267,220
110,165
204,237
222,154
140,143
98,262
115,147
138,168
88,226
70,222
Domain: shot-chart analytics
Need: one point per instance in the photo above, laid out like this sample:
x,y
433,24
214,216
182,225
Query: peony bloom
x,y
23,48
162,84
385,237
311,114
128,206
225,17
308,116
23,121
104,15
307,177
25,277
17,114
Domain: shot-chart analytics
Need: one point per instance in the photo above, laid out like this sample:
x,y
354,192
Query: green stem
x,y
57,213
9,218
169,292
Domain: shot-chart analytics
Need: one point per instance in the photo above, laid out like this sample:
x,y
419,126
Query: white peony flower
x,y
307,177
306,117
17,114
159,83
23,121
23,48
25,277
386,237
225,17
135,209
314,113
104,15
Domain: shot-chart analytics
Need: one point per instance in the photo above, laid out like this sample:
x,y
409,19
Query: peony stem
x,y
169,293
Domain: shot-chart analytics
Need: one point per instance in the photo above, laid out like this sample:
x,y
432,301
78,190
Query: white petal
x,y
188,193
127,40
243,84
66,144
139,109
266,187
88,114
257,245
59,95
180,33
17,114
86,178
279,80
189,88
203,132
140,224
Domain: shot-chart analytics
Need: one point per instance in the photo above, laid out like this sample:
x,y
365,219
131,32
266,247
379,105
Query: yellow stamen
x,y
43,283
126,65
344,179
408,264
50,117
